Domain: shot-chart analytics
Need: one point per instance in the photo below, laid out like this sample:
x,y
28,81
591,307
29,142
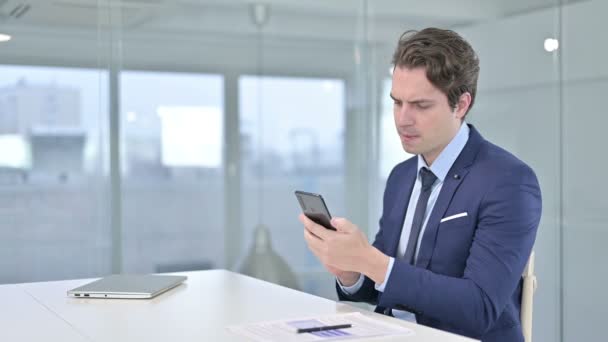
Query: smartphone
x,y
313,206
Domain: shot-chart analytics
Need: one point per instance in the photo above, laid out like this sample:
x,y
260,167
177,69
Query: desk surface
x,y
199,310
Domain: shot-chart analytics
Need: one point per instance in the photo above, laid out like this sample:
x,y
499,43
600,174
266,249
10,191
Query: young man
x,y
459,220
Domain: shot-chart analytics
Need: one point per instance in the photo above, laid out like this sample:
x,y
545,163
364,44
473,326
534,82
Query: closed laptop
x,y
128,286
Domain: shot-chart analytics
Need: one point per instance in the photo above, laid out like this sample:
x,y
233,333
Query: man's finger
x,y
316,229
313,242
310,237
342,224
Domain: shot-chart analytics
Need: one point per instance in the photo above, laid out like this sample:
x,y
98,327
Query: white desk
x,y
198,311
22,318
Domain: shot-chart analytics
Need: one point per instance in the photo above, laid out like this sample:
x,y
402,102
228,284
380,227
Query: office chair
x,y
527,296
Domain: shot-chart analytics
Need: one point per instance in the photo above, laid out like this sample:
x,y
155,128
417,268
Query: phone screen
x,y
313,206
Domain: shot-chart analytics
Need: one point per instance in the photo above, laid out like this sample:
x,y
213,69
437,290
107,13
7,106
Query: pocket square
x,y
453,217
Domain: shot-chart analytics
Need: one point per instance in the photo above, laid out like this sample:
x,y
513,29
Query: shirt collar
x,y
441,166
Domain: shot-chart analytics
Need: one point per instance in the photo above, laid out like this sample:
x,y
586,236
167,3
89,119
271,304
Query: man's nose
x,y
404,116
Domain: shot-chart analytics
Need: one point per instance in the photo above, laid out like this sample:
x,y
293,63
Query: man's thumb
x,y
341,224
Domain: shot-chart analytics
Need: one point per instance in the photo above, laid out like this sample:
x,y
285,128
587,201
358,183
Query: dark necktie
x,y
428,178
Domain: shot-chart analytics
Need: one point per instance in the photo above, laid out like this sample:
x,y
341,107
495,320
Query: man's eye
x,y
423,106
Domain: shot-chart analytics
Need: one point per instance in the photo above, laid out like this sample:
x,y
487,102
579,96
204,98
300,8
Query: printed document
x,y
287,330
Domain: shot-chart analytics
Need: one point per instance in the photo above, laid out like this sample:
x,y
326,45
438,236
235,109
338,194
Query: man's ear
x,y
462,106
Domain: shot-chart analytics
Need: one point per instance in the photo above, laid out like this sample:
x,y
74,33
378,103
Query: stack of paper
x,y
286,330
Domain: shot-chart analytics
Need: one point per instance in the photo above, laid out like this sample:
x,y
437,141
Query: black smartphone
x,y
313,206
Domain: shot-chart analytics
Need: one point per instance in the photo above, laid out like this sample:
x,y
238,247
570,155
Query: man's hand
x,y
345,252
347,278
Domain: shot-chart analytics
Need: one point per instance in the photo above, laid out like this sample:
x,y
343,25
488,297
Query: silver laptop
x,y
127,286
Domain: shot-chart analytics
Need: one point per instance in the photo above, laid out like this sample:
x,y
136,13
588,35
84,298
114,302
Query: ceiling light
x,y
551,44
4,37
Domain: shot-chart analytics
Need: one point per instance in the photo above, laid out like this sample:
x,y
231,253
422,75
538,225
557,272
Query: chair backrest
x,y
527,296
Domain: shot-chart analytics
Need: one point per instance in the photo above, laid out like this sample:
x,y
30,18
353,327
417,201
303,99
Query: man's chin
x,y
410,149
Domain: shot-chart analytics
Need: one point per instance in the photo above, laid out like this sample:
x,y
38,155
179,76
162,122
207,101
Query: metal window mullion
x,y
115,141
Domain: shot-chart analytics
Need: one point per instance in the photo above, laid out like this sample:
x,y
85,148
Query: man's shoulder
x,y
404,167
496,162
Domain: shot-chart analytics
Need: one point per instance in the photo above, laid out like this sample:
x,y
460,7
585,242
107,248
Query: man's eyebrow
x,y
418,101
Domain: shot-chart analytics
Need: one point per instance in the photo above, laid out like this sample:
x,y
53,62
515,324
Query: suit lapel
x,y
453,179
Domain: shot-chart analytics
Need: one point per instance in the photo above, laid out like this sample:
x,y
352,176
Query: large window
x,y
292,137
172,188
52,203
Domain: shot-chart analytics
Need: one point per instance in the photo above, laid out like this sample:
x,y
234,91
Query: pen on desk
x,y
323,328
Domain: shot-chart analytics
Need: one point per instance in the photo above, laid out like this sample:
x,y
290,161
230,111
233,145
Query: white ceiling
x,y
316,19
317,35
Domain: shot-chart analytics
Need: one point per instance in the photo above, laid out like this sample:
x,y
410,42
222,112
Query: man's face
x,y
424,120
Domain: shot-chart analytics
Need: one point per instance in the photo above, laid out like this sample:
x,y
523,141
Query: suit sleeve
x,y
508,219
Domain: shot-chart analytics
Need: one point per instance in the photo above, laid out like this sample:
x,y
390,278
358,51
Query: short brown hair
x,y
451,63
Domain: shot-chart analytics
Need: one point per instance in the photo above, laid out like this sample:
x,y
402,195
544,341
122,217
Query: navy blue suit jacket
x,y
467,278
